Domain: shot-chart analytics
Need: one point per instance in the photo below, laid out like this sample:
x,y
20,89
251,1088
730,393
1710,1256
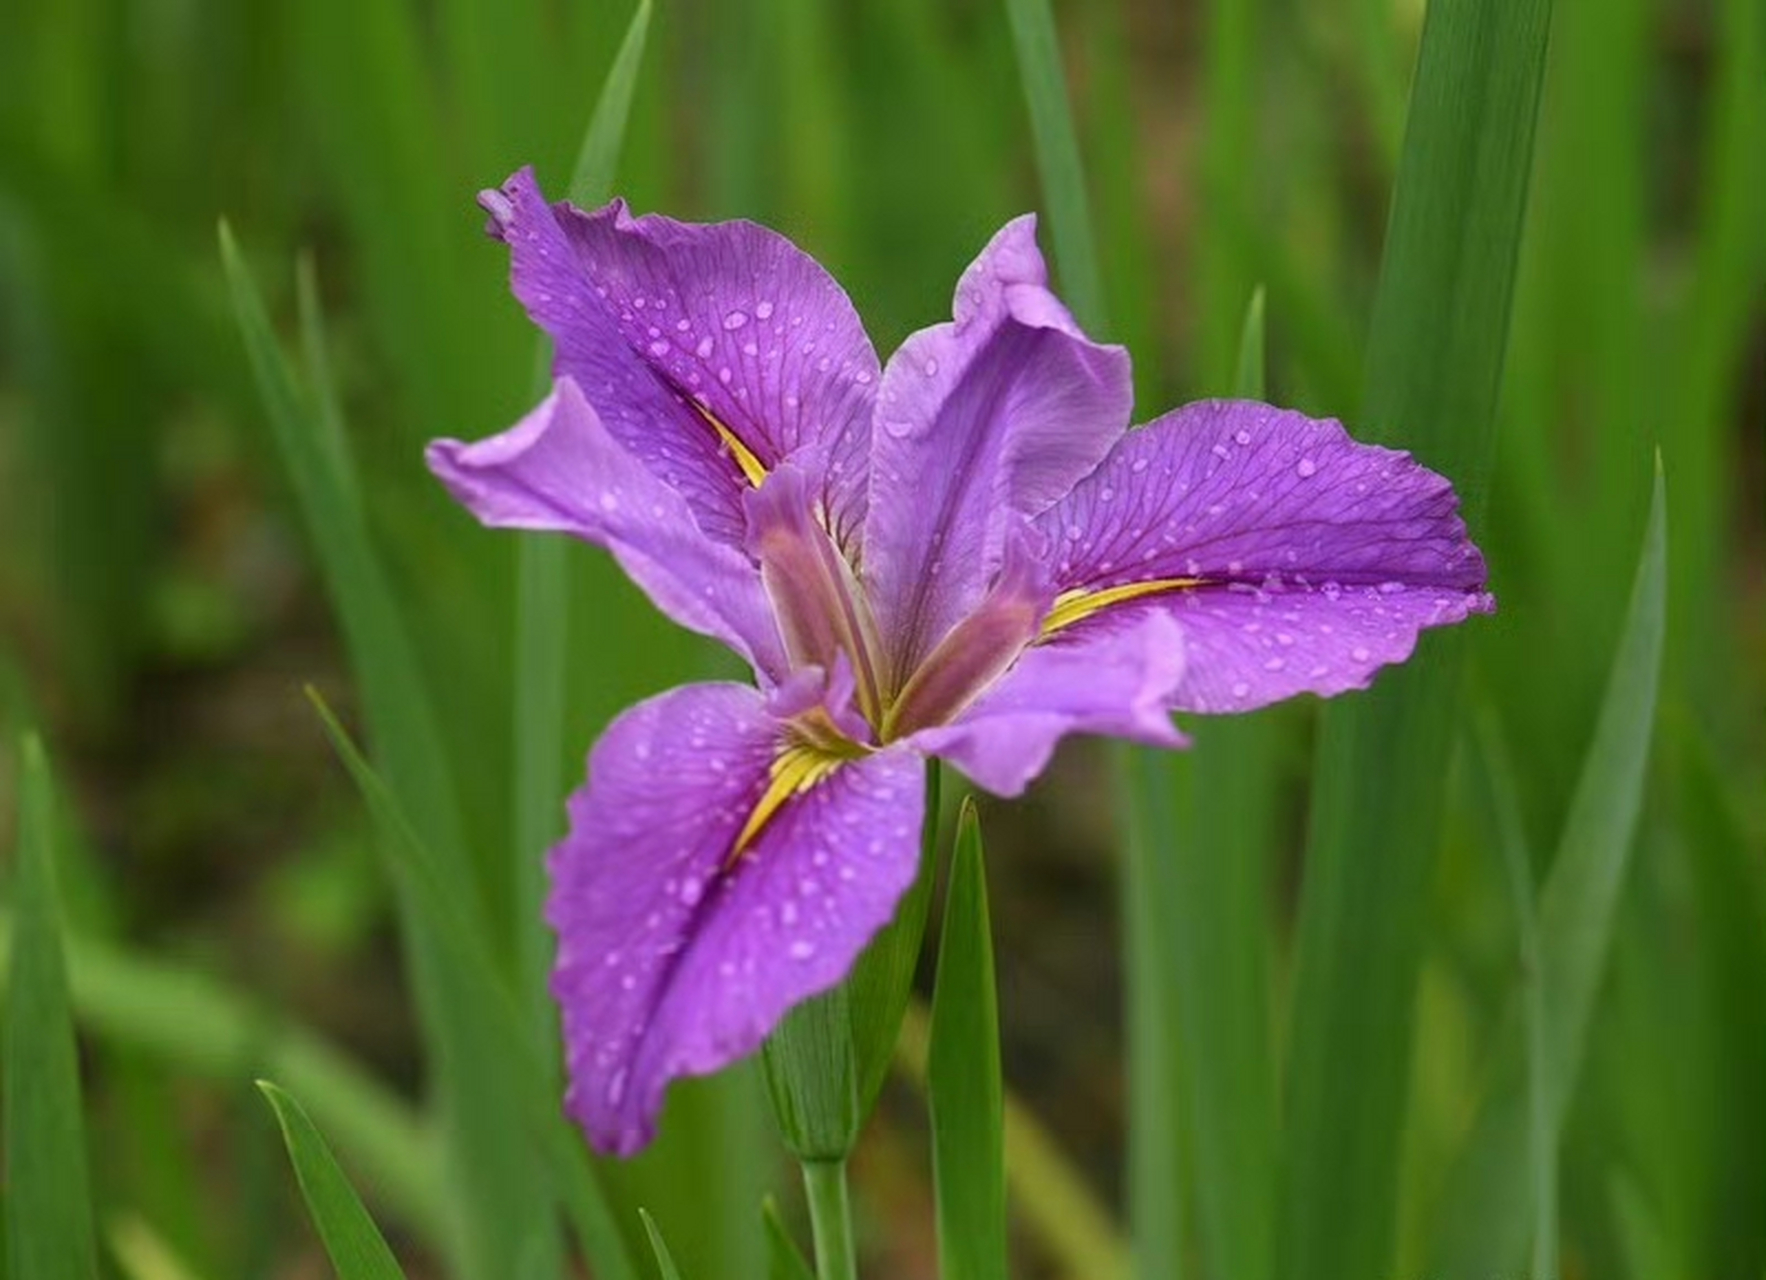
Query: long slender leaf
x,y
354,1243
203,1027
963,1076
1434,368
665,1263
785,1261
1207,875
500,1184
414,867
48,1202
1489,1209
1057,157
543,597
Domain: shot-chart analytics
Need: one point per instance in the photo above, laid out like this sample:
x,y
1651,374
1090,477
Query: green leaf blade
x,y
1440,329
963,1076
47,1207
352,1241
1489,1211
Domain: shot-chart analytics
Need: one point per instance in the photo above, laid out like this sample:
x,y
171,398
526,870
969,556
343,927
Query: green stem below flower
x,y
830,1219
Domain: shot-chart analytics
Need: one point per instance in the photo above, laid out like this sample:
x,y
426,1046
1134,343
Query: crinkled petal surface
x,y
980,421
672,961
651,315
1320,559
559,469
1117,679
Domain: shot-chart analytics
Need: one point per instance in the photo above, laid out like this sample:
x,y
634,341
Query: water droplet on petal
x,y
931,367
1360,654
802,949
1306,467
704,348
735,320
1241,689
1243,437
616,1088
763,309
659,349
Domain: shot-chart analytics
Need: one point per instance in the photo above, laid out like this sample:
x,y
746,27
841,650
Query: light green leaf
x,y
1057,158
1489,1213
665,1263
47,1206
785,1261
963,1076
1440,329
354,1243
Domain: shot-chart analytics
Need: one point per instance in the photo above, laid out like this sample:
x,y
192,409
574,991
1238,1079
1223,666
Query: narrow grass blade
x,y
1435,359
1057,158
532,1096
1224,181
1489,1210
48,1202
1495,773
785,1261
963,1076
543,600
1047,1189
353,1242
665,1263
1207,840
503,1192
205,1028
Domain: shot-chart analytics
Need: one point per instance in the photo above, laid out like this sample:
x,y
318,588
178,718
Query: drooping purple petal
x,y
559,469
648,313
672,960
1320,559
1116,680
990,418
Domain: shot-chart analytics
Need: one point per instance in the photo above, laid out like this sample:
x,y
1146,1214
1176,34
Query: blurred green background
x,y
161,609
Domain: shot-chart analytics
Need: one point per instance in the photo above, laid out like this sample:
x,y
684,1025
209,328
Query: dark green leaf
x,y
354,1243
1440,328
47,1206
963,1076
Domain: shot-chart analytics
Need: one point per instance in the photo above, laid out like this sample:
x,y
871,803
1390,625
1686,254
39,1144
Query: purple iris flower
x,y
964,553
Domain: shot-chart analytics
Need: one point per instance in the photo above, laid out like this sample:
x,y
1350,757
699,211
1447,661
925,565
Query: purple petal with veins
x,y
966,555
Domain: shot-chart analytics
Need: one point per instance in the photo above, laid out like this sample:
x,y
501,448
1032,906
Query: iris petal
x,y
672,959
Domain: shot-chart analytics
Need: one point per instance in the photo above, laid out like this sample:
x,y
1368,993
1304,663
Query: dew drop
x,y
1241,689
1360,654
659,349
735,320
802,949
931,368
763,309
1274,664
724,374
1243,437
1306,467
616,1088
704,348
683,324
609,502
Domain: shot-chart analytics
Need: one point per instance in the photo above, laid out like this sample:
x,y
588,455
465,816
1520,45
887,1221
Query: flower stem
x,y
830,1219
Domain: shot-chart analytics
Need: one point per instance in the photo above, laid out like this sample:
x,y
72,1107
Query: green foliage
x,y
48,1203
354,1243
963,1075
1390,1010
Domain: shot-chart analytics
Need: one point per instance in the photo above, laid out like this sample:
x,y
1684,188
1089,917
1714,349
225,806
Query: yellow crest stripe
x,y
796,769
751,466
1079,604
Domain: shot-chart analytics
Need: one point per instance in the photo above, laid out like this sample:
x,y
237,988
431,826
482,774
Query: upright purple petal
x,y
1307,560
1117,681
987,419
673,960
559,469
648,314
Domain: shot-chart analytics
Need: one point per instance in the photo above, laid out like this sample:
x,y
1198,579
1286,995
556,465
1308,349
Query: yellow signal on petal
x,y
752,466
796,769
1079,604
